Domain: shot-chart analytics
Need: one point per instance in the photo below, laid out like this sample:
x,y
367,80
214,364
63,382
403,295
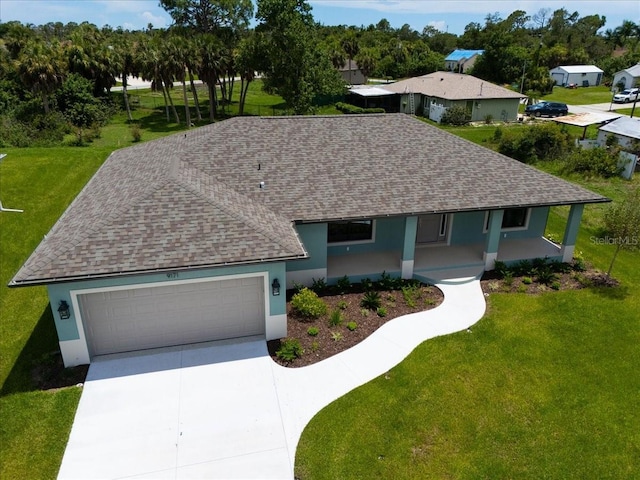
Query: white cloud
x,y
440,25
585,7
156,20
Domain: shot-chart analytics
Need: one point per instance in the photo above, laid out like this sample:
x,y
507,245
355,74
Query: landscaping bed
x,y
540,276
319,339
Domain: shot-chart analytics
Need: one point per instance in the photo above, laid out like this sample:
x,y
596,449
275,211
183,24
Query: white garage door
x,y
126,320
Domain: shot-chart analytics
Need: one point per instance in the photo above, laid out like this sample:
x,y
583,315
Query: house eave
x,y
98,276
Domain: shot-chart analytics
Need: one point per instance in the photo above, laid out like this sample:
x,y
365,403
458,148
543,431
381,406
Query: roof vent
x,y
261,185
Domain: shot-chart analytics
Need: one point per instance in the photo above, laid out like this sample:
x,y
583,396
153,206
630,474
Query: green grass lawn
x,y
580,95
513,399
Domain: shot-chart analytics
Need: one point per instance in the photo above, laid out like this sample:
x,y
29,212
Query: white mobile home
x,y
578,75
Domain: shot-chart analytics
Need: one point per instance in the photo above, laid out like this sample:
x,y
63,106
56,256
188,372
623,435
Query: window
x,y
513,219
350,231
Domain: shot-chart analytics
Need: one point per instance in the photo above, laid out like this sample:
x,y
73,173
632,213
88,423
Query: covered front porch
x,y
438,260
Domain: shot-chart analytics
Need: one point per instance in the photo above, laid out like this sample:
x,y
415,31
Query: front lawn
x,y
580,95
543,386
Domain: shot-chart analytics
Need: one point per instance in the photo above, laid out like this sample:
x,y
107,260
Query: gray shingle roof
x,y
194,200
451,86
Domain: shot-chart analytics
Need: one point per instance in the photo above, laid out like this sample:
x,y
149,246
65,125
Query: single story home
x,y
461,60
195,236
627,78
352,74
433,93
578,75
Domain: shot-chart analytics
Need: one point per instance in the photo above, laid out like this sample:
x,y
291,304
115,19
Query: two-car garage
x,y
172,313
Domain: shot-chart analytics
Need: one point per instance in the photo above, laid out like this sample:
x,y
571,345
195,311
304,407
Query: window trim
x,y
354,242
509,229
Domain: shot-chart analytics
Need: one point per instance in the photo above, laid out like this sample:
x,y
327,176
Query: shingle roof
x,y
457,55
634,70
451,86
194,200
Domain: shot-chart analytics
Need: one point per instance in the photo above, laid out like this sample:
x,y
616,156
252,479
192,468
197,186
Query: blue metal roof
x,y
462,54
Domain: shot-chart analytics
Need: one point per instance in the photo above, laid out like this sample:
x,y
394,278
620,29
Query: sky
x,y
445,15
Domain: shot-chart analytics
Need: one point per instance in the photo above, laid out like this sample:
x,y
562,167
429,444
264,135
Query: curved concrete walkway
x,y
303,392
225,409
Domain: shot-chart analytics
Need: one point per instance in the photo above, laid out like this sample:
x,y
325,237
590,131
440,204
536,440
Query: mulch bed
x,y
323,345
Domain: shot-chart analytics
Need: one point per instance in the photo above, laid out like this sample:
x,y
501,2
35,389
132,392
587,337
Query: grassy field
x,y
581,95
539,378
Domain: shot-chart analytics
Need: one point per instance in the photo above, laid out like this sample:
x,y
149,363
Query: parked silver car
x,y
627,95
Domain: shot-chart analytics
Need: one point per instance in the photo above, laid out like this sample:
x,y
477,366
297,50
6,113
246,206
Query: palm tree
x,y
175,53
351,47
40,67
210,68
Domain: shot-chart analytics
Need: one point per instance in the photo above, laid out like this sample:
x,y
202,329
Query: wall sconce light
x,y
63,310
275,287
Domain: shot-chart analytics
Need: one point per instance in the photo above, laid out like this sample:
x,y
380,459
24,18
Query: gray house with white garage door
x,y
196,236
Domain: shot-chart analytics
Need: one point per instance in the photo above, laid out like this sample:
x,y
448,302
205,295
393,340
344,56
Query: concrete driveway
x,y
225,410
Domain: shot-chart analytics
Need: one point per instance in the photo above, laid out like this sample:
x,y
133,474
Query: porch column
x,y
493,239
571,232
409,246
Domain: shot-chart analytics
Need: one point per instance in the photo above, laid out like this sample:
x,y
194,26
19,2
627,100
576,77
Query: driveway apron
x,y
225,410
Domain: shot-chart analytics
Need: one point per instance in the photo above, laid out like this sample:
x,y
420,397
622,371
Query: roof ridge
x,y
243,201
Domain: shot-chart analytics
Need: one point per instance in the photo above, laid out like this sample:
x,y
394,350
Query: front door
x,y
432,229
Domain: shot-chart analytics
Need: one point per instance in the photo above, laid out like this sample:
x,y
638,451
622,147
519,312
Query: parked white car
x,y
627,95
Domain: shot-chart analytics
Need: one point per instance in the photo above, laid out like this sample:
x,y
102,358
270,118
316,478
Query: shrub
x,y
366,284
307,304
596,161
315,346
578,264
337,336
343,284
319,285
364,312
508,279
545,275
335,318
545,141
523,267
555,285
456,115
522,288
352,326
488,119
382,312
371,300
410,292
136,132
501,269
527,280
289,350
297,286
342,305
313,331
353,109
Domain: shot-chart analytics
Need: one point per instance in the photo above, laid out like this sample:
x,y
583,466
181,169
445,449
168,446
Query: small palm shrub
x,y
307,304
371,300
352,326
313,331
382,312
289,350
319,285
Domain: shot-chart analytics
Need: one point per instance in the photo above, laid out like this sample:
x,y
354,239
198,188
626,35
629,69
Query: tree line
x,y
57,74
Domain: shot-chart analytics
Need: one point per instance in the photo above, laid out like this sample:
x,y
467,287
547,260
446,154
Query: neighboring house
x,y
627,78
461,60
433,93
195,236
578,75
373,96
352,74
627,132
